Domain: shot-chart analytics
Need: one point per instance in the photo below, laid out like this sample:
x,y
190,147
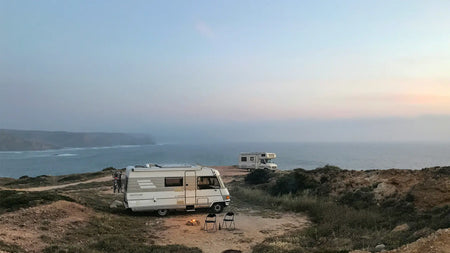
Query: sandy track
x,y
53,187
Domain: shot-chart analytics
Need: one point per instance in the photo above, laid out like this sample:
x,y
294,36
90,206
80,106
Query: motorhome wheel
x,y
162,212
217,207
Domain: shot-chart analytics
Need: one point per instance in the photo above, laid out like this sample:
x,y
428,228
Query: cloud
x,y
203,29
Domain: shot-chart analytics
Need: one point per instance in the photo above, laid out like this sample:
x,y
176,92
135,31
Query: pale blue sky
x,y
179,69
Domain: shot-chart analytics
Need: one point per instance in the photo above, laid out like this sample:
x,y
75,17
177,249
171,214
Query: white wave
x,y
105,147
66,155
11,152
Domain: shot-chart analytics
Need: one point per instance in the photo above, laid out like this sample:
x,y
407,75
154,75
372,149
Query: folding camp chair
x,y
210,218
228,221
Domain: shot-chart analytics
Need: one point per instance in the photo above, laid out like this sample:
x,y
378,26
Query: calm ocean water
x,y
289,156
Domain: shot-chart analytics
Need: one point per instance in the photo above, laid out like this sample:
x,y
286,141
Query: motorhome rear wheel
x,y
162,212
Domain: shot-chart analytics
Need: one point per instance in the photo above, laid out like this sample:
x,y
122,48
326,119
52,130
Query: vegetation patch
x,y
293,182
45,180
10,248
258,176
349,221
79,177
114,233
30,181
359,199
123,247
121,244
14,200
90,185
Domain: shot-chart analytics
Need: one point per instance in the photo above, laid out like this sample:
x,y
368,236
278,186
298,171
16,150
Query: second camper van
x,y
158,188
257,160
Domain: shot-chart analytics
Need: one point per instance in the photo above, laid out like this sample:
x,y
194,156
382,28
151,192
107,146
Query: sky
x,y
200,71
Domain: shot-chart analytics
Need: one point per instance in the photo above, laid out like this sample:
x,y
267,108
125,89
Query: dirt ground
x,y
29,228
252,227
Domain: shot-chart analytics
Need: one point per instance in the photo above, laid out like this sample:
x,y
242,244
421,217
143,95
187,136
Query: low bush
x,y
284,185
295,181
30,181
329,169
109,169
119,244
79,177
10,248
13,200
44,180
359,199
258,176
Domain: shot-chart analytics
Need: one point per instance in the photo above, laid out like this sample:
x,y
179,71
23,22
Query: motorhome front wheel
x,y
217,207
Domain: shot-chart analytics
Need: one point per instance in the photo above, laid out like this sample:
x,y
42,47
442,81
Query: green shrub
x,y
296,181
109,169
123,244
79,177
305,180
359,199
329,169
10,248
32,181
284,185
62,249
13,200
258,176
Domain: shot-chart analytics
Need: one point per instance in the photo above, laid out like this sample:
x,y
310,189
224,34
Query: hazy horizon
x,y
291,71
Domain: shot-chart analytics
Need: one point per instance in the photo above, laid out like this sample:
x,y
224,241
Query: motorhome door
x,y
190,187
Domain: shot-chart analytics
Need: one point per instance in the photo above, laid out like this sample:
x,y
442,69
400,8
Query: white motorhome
x,y
257,160
154,187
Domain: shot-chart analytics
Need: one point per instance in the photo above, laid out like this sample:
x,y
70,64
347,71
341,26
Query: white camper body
x,y
162,188
257,160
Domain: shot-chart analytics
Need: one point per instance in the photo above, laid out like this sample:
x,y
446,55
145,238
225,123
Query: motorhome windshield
x,y
208,182
264,161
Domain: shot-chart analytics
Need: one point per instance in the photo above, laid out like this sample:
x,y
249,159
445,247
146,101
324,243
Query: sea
x,y
354,156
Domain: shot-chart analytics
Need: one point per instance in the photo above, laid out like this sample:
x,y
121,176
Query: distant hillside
x,y
13,140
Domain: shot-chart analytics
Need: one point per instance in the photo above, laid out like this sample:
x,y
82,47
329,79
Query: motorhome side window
x,y
173,181
243,159
207,183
